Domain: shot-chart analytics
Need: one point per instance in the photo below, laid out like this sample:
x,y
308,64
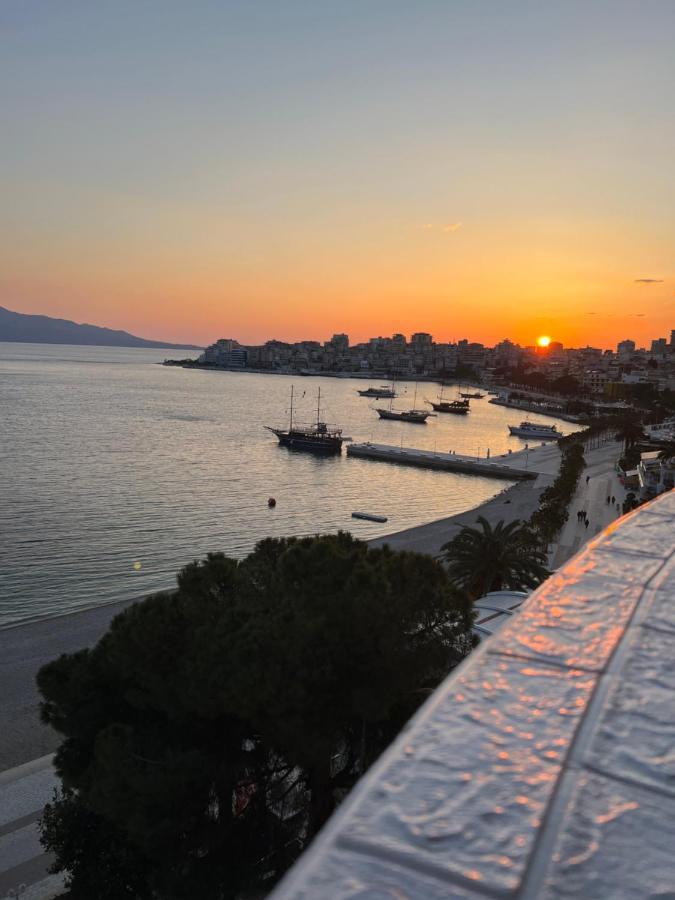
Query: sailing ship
x,y
379,393
458,407
416,416
319,437
535,430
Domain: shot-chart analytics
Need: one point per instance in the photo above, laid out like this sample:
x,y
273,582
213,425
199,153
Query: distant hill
x,y
45,330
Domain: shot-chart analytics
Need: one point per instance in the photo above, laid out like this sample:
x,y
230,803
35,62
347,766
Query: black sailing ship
x,y
318,437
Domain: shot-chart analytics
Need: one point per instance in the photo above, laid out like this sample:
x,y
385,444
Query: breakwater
x,y
431,459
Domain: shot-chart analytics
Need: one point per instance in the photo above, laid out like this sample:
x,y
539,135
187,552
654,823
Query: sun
x,y
544,340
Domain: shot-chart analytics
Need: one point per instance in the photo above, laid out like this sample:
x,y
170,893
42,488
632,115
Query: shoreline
x,y
360,376
518,501
26,646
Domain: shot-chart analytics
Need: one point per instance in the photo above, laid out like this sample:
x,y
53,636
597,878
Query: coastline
x,y
26,646
518,501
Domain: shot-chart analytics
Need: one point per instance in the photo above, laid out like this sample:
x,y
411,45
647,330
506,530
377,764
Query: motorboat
x,y
379,393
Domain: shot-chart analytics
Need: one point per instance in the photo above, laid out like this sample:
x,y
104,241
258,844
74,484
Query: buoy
x,y
271,502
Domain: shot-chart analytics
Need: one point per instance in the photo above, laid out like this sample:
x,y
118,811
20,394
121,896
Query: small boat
x,y
476,396
379,393
415,416
534,430
317,437
370,517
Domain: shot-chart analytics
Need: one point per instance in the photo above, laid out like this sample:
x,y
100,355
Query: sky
x,y
256,170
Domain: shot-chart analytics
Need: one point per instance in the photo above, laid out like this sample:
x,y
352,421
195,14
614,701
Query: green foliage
x,y
667,452
77,837
630,432
554,500
211,732
630,459
486,559
567,385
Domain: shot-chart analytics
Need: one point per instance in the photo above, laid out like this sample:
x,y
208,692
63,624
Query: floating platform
x,y
370,517
448,462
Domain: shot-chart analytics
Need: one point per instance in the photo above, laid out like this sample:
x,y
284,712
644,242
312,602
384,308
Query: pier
x,y
512,466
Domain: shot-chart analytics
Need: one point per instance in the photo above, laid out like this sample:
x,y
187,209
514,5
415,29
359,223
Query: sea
x,y
116,471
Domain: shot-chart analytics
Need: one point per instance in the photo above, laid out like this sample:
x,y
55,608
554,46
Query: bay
x,y
116,471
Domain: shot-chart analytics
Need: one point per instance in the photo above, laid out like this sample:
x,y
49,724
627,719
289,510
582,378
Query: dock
x,y
514,470
535,407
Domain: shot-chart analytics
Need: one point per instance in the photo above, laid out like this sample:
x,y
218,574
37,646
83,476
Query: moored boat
x,y
476,396
415,416
536,431
379,393
319,437
457,407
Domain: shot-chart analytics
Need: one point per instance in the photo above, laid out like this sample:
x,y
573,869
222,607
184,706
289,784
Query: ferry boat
x,y
379,393
318,437
415,416
536,431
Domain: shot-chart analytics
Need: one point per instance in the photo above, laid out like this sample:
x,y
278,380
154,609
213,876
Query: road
x,y
598,481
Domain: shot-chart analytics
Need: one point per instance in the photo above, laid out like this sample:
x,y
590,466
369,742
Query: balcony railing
x,y
544,766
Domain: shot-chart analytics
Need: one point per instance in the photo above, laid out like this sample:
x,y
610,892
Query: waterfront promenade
x,y
521,500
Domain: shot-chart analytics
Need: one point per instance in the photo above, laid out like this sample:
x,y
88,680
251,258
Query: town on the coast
x,y
193,710
622,373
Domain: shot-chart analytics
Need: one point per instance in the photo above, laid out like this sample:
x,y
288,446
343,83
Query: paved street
x,y
592,496
23,863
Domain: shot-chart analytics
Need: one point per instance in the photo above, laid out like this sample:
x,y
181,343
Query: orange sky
x,y
468,170
477,282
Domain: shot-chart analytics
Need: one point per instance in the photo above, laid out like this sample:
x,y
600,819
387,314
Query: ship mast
x,y
290,424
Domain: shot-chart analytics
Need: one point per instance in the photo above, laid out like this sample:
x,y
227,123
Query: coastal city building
x,y
586,371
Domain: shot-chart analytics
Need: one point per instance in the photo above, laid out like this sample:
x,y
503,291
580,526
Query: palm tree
x,y
630,433
487,559
667,452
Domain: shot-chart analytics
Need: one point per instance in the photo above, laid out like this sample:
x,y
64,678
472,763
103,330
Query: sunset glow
x,y
544,340
274,192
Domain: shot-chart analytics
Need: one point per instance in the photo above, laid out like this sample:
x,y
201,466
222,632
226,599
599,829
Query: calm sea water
x,y
116,471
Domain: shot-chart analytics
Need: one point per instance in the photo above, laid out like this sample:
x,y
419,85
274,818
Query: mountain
x,y
45,330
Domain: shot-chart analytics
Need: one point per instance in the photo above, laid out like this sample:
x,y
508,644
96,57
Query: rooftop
x,y
543,766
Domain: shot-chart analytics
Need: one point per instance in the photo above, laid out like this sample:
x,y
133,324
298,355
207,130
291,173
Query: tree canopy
x,y
484,559
211,732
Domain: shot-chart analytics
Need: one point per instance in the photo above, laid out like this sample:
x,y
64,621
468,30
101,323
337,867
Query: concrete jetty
x,y
449,462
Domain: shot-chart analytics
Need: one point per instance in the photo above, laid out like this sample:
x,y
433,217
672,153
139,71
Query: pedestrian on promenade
x,y
609,500
613,499
586,523
588,478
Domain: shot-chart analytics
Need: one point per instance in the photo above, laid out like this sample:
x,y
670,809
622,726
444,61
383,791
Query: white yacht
x,y
536,431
